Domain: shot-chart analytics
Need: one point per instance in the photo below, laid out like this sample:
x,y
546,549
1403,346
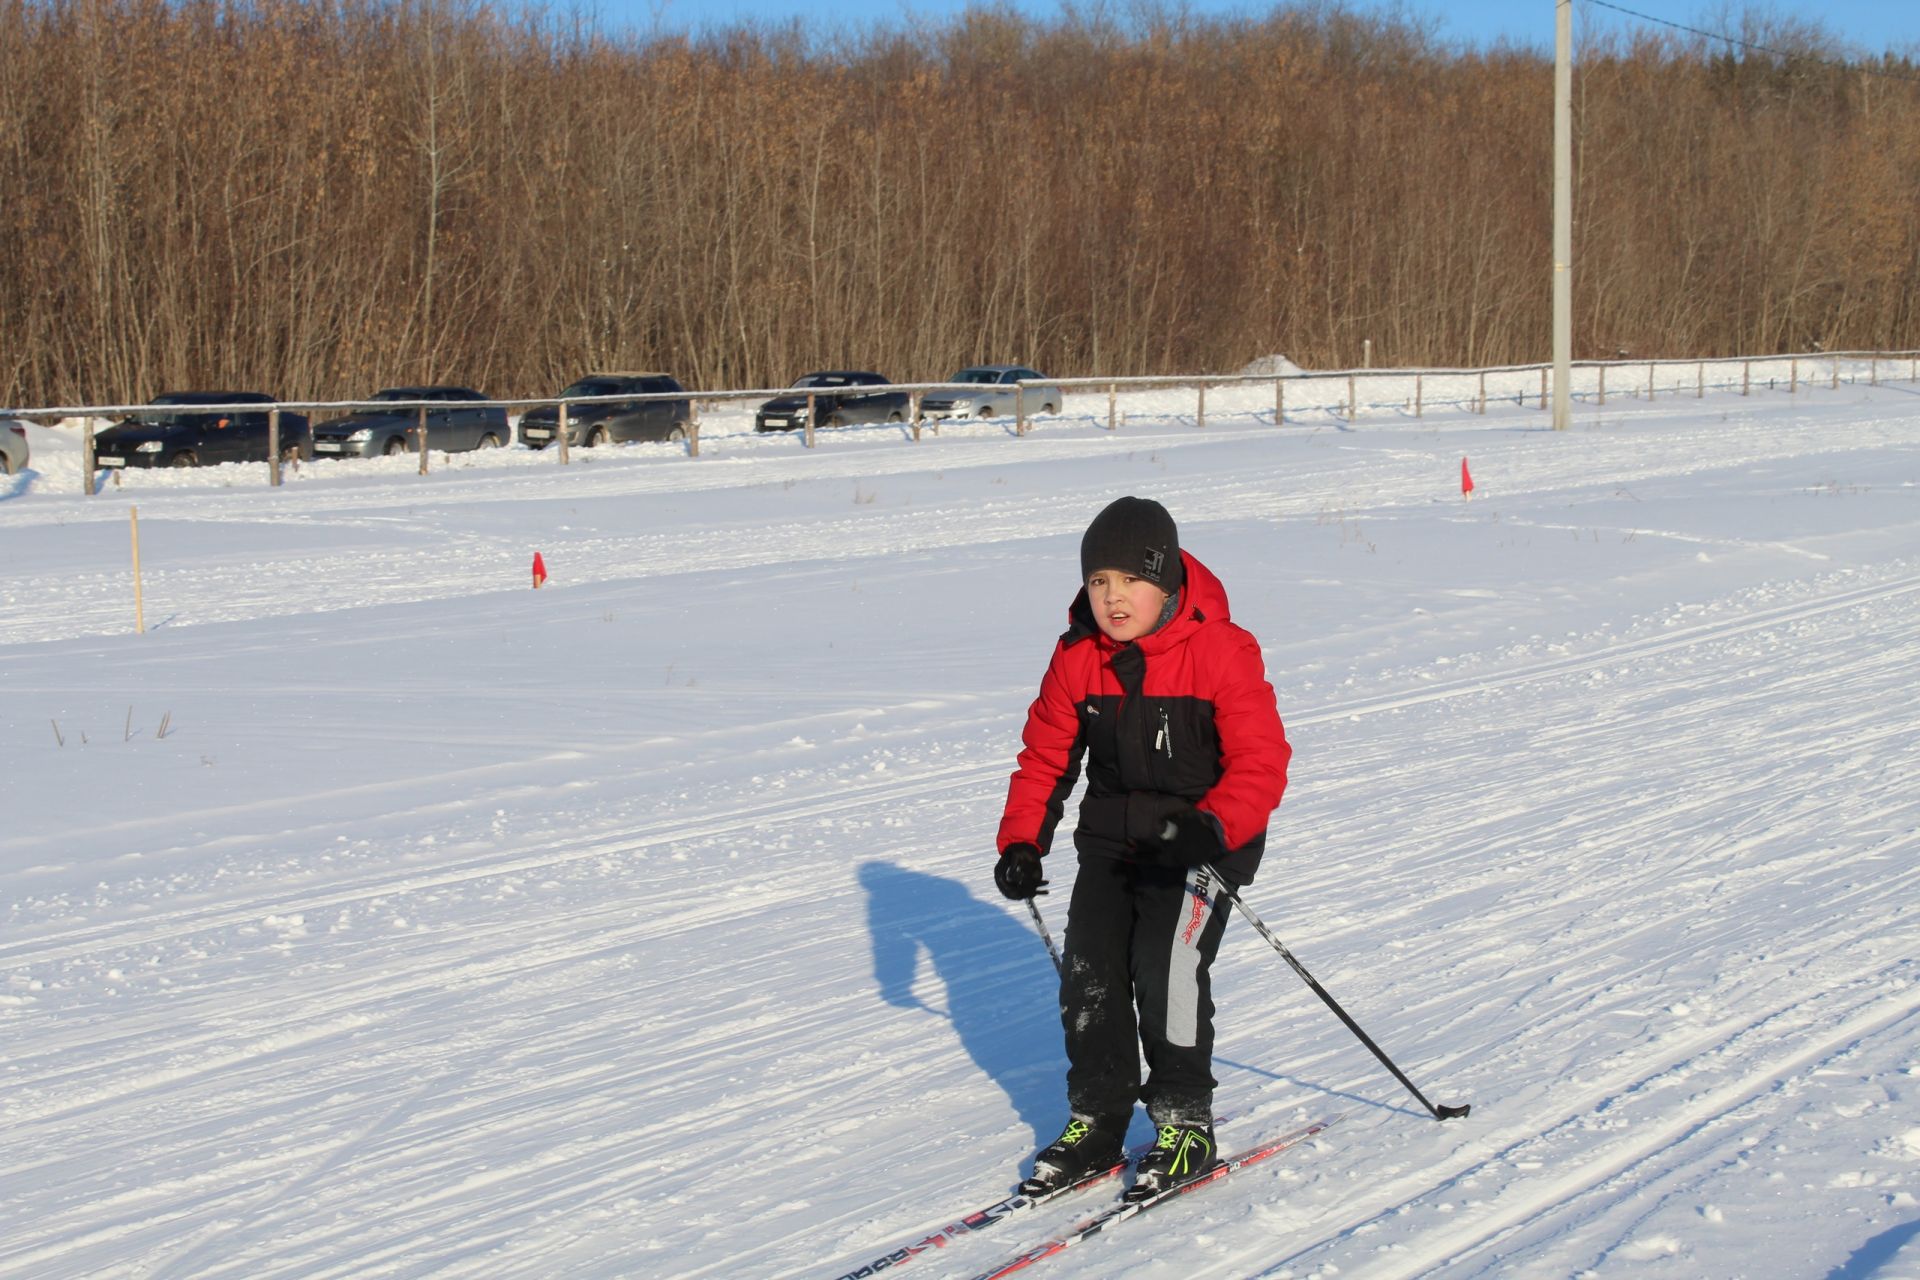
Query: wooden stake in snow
x,y
420,425
139,606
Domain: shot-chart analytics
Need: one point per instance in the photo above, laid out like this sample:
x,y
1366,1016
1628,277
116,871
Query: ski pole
x,y
1033,909
1439,1113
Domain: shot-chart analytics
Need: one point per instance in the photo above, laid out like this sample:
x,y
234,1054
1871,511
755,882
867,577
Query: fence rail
x,y
1412,399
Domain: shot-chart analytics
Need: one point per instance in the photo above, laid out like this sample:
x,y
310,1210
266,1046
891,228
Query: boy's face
x,y
1124,606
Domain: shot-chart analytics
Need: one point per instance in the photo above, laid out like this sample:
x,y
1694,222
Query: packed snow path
x,y
644,926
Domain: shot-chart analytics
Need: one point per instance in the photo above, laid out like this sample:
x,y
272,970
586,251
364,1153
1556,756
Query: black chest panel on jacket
x,y
1139,743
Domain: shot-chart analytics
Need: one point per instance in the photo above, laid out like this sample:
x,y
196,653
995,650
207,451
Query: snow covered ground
x,y
644,925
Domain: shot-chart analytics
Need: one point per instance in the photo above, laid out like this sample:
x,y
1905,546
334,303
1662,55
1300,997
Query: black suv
x,y
613,421
188,436
840,397
454,424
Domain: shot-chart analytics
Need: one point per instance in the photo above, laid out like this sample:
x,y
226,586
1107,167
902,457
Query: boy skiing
x,y
1168,702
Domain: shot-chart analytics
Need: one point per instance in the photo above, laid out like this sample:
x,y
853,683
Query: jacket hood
x,y
1202,599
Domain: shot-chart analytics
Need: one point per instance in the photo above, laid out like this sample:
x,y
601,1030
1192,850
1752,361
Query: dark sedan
x,y
841,397
186,433
454,424
614,421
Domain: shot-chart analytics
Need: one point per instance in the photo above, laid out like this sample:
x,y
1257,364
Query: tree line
x,y
319,197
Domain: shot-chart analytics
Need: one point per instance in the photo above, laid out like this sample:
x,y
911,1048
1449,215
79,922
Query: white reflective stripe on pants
x,y
1183,958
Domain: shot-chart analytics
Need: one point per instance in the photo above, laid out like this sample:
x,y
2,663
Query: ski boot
x,y
1085,1148
1182,1153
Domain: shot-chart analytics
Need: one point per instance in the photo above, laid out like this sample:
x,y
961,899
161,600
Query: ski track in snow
x,y
601,999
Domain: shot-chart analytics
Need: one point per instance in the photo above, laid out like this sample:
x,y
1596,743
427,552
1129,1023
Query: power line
x,y
1757,48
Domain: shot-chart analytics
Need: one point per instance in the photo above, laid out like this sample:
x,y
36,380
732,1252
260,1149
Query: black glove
x,y
1018,872
1191,838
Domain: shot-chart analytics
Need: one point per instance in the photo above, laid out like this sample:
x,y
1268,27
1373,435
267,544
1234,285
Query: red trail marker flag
x,y
539,571
1466,480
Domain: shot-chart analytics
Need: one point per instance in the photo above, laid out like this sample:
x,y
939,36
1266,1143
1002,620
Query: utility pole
x,y
1562,214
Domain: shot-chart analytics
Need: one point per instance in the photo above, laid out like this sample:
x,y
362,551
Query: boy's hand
x,y
1018,872
1191,838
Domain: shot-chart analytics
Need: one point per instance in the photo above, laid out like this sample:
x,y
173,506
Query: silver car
x,y
990,390
13,446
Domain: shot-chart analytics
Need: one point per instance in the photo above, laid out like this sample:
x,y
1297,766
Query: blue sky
x,y
1869,25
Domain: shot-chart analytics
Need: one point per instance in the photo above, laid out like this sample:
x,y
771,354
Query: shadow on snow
x,y
1001,995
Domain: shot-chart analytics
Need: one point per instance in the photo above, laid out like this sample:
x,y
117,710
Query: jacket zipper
x,y
1163,741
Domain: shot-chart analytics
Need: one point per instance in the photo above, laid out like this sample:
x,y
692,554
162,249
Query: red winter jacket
x,y
1182,716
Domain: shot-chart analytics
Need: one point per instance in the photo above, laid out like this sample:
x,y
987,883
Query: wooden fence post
x,y
1700,381
1279,402
1603,384
139,608
1793,387
1873,369
420,425
810,403
273,446
86,456
1836,374
1543,386
1418,388
1019,408
1113,414
1483,391
1200,415
1649,380
693,436
560,432
1746,377
1353,400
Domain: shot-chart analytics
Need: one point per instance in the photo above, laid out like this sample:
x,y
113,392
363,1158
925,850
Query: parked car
x,y
840,397
13,446
189,437
613,421
995,394
454,425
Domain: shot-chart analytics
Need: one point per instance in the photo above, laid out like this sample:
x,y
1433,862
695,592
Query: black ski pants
x,y
1140,942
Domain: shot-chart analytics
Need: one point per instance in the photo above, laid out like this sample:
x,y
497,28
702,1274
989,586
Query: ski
x,y
977,1221
1131,1208
982,1219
